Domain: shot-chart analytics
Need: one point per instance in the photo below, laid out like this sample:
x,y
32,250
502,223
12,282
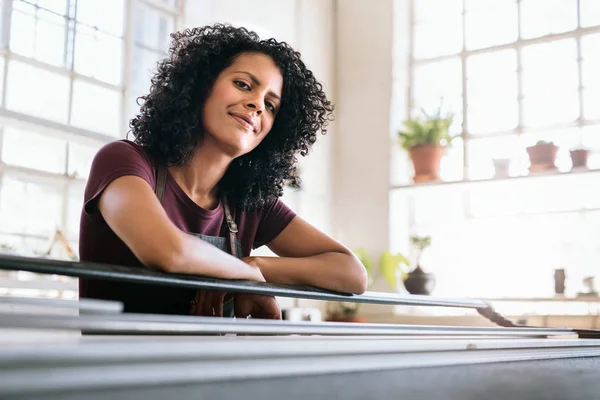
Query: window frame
x,y
517,46
68,132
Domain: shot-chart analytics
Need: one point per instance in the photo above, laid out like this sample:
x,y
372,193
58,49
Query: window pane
x,y
98,55
490,23
543,63
544,17
80,158
451,165
57,6
96,108
428,10
590,51
590,12
50,38
434,82
37,92
591,137
29,207
143,67
22,30
32,150
561,107
74,207
591,103
152,28
438,37
482,152
492,92
108,16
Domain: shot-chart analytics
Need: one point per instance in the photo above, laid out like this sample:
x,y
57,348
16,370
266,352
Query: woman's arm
x,y
131,209
307,256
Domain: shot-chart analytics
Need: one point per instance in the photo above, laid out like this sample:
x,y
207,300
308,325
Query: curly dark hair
x,y
169,123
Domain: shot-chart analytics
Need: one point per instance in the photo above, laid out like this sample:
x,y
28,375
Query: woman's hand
x,y
256,306
208,303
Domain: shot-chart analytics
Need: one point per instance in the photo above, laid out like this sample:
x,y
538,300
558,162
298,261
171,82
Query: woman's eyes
x,y
245,86
241,84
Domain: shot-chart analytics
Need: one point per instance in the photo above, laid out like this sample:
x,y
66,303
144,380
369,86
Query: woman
x,y
215,141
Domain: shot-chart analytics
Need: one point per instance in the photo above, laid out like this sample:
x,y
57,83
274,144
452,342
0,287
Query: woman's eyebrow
x,y
255,80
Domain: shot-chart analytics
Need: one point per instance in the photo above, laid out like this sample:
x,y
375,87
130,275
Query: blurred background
x,y
499,224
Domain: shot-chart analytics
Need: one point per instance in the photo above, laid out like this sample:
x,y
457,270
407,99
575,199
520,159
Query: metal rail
x,y
150,324
102,369
146,276
83,305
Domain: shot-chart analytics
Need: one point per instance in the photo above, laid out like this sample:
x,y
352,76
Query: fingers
x,y
194,309
207,304
218,298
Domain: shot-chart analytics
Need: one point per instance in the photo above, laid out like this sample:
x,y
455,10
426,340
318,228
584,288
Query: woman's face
x,y
242,105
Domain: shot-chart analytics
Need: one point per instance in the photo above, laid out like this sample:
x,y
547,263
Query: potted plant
x,y
390,267
579,158
426,139
418,281
542,156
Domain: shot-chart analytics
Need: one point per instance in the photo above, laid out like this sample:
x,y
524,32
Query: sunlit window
x,y
73,70
514,73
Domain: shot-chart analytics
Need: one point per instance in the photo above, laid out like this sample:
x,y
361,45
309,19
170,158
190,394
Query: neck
x,y
199,177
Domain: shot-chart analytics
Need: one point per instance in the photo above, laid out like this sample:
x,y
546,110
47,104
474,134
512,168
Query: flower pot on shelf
x,y
426,160
579,157
542,156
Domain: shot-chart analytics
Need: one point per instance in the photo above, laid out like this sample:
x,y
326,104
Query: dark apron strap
x,y
232,226
159,190
161,181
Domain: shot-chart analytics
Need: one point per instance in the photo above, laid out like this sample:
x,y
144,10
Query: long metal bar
x,y
147,324
110,366
146,276
83,305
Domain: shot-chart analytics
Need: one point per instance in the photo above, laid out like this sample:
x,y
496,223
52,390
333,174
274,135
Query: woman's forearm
x,y
195,256
333,271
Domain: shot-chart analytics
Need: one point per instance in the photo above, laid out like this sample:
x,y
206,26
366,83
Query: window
x,y
514,72
72,68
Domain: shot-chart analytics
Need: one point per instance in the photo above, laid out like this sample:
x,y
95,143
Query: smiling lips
x,y
245,120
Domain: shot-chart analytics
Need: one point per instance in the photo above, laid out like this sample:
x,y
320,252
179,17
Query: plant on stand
x,y
391,266
426,139
418,281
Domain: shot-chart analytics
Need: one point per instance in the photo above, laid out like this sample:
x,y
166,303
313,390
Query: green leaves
x,y
389,264
432,129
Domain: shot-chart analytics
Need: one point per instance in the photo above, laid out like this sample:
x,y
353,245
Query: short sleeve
x,y
275,217
113,160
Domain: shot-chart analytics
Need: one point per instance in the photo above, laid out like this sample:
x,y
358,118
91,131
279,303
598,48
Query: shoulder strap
x,y
161,181
232,226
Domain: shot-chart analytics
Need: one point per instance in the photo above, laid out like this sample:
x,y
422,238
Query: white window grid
x,y
504,237
64,184
462,119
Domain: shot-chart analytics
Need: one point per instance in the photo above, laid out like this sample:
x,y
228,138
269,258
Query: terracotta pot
x,y
542,156
579,157
426,162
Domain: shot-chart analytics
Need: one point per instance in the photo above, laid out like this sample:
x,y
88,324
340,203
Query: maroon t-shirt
x,y
98,243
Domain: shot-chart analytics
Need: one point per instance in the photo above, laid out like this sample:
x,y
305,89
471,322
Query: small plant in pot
x,y
542,156
418,281
579,158
426,139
